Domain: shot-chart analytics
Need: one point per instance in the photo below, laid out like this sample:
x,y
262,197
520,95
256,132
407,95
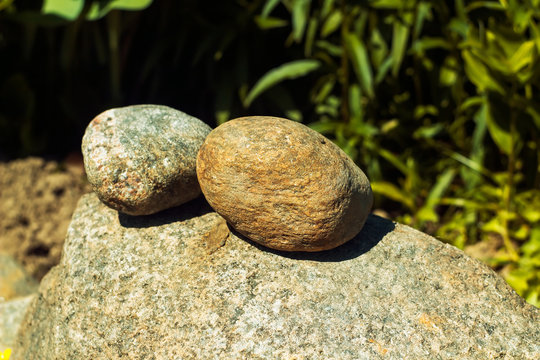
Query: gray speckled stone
x,y
11,316
141,159
17,289
177,285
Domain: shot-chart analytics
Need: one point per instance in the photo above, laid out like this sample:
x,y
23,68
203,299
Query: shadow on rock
x,y
189,210
374,230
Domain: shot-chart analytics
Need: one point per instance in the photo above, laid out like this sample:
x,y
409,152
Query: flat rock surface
x,y
140,159
176,285
282,184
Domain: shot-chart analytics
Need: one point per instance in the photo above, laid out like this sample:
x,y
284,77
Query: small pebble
x,y
141,159
283,185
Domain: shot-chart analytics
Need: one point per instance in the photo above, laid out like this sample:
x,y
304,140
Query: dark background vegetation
x,y
438,101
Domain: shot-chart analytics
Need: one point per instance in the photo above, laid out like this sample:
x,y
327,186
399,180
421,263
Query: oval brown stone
x,y
283,185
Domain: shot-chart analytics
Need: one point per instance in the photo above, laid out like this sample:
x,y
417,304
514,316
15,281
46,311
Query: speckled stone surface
x,y
177,286
141,159
17,289
11,315
282,184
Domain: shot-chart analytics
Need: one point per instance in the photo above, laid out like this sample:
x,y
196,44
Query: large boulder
x,y
11,316
17,289
178,285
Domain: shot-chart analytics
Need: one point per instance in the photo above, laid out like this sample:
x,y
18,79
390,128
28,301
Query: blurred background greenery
x,y
438,101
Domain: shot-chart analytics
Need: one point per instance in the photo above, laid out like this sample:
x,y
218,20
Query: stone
x,y
283,185
176,285
17,289
141,159
14,280
11,316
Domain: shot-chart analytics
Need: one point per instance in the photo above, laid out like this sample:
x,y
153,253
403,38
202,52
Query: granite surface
x,y
140,159
178,285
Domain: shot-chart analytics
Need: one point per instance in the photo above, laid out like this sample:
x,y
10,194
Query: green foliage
x,y
290,70
72,9
437,101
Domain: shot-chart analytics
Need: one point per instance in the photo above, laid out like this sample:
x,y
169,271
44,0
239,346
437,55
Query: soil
x,y
37,199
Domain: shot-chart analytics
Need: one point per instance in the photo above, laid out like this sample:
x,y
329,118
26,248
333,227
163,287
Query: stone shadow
x,y
374,230
189,210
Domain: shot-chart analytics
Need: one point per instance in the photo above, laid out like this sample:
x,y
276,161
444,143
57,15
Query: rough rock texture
x,y
176,286
282,184
17,290
11,316
14,280
141,159
37,199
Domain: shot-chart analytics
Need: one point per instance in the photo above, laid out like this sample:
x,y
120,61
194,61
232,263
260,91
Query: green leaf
x,y
300,15
471,102
387,4
359,58
67,9
534,114
378,48
423,12
399,45
524,56
355,106
324,128
330,48
310,36
474,165
492,5
394,160
265,22
323,88
477,150
428,43
427,212
428,131
459,26
517,279
391,191
443,182
326,7
269,7
332,23
502,138
421,111
290,70
4,4
383,70
99,9
448,74
478,73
